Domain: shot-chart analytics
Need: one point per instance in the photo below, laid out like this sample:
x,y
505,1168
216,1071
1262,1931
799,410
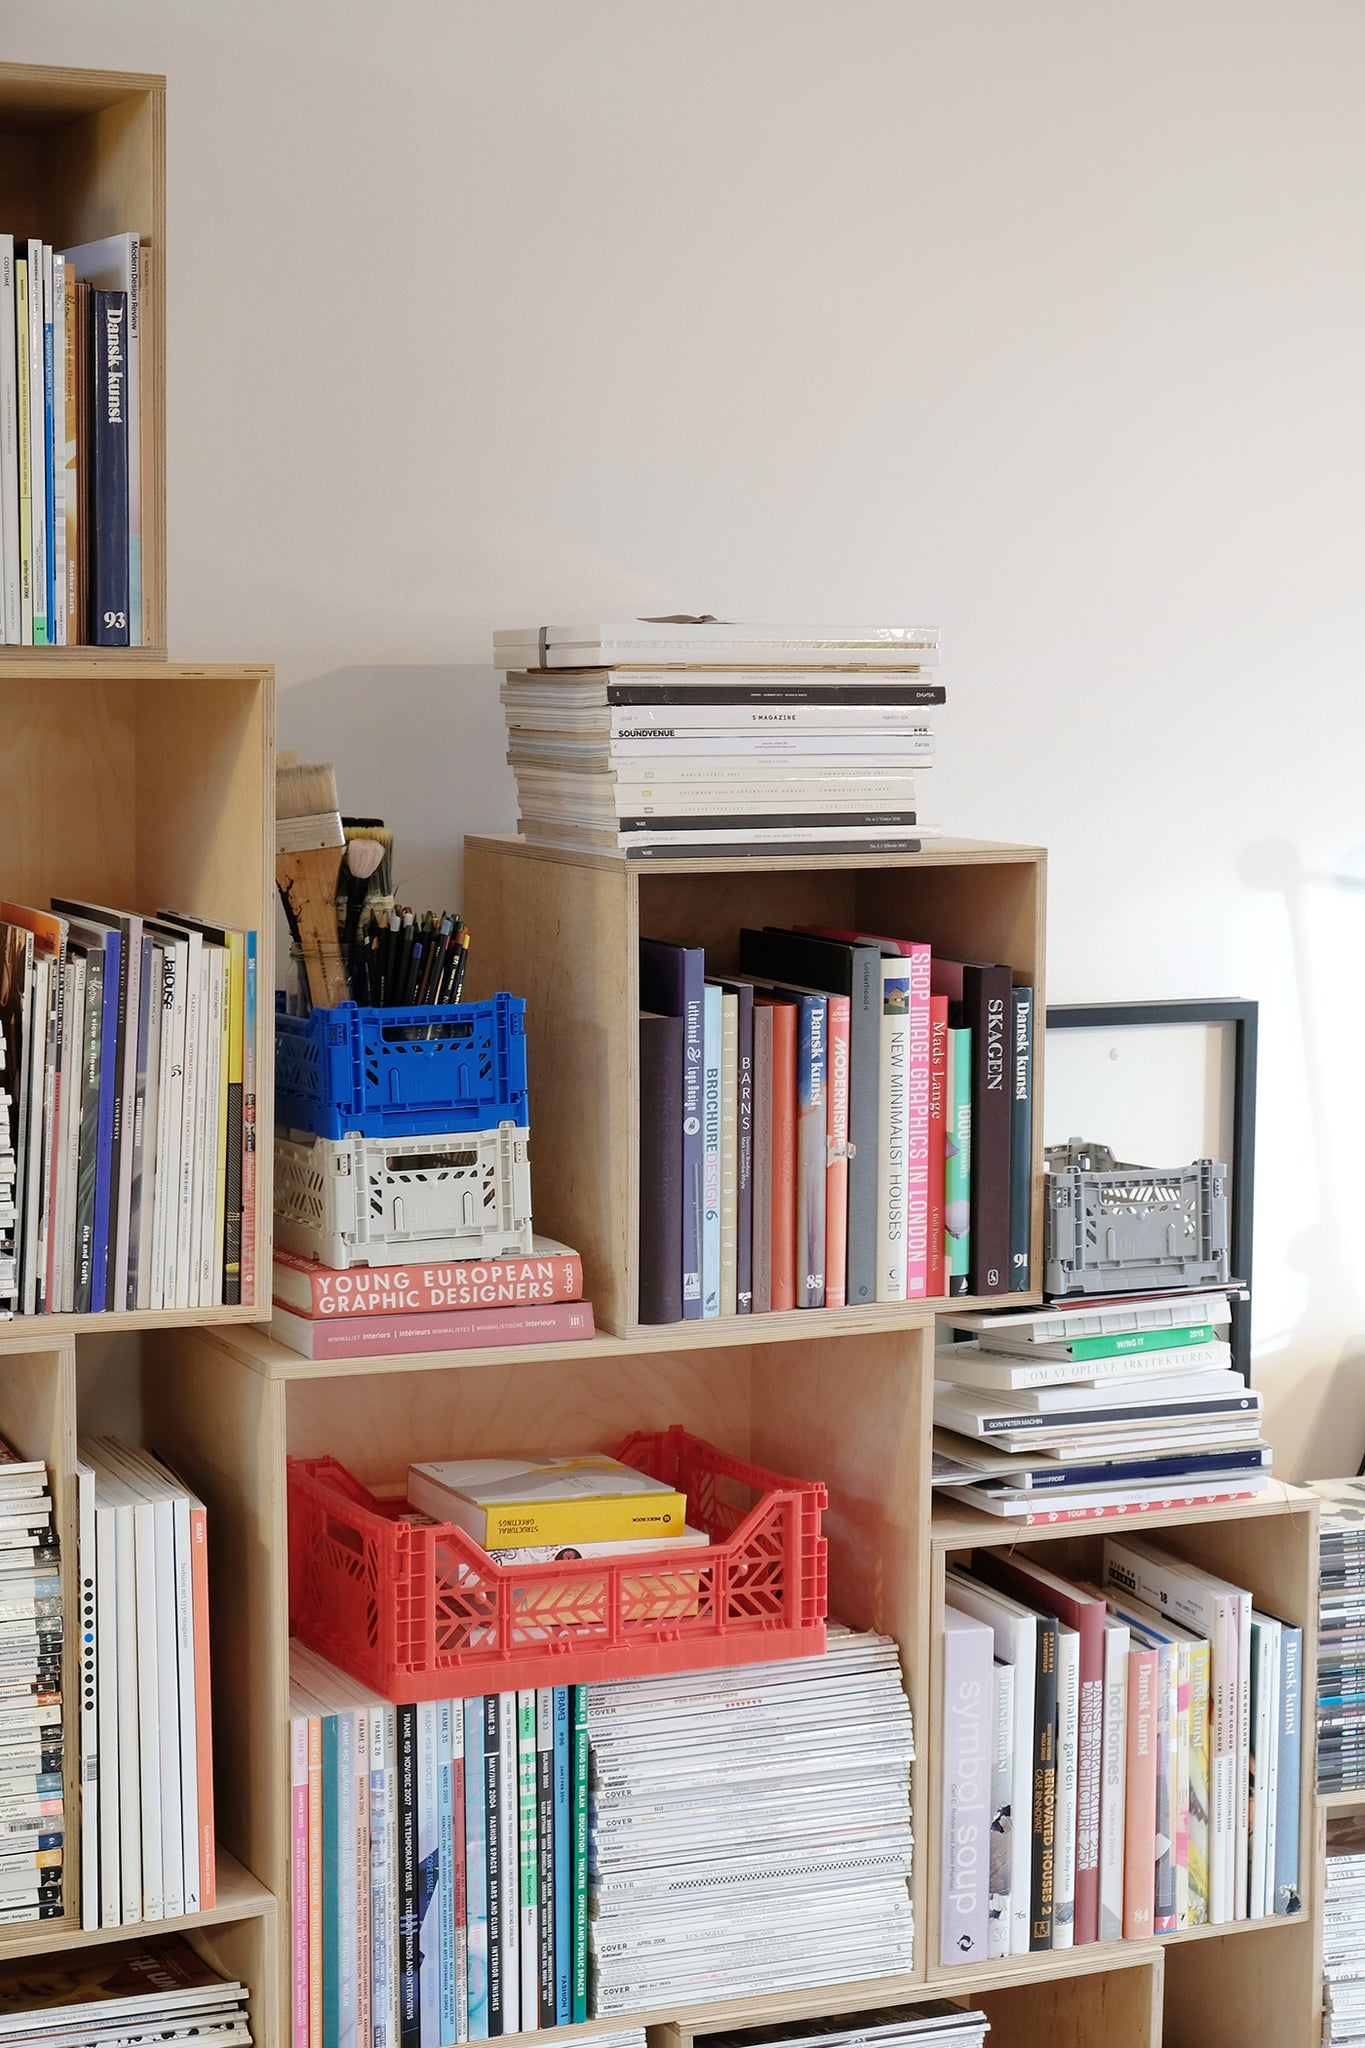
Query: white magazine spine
x,y
998,1934
187,1702
361,1849
1242,1863
148,1712
88,1624
37,442
10,615
57,624
168,1710
185,1295
129,1764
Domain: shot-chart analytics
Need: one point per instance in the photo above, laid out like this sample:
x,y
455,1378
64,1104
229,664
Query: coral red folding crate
x,y
423,1613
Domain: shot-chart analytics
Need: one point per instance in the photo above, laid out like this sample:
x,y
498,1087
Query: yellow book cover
x,y
25,467
506,1503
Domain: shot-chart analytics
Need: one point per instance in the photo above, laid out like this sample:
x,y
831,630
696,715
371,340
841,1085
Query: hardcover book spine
x,y
316,1884
1021,1140
811,1150
1288,1787
23,441
957,1204
579,1703
744,1208
331,1881
1117,1644
476,1871
108,625
563,1781
1180,1756
1044,1814
1001,1848
694,1030
936,1275
232,1159
1068,1740
987,997
492,1818
836,1153
894,1104
1140,1805
763,1160
1197,1873
919,1056
967,1749
298,1874
71,597
11,617
661,1171
864,1121
87,1168
783,1230
409,1930
50,439
729,1153
37,439
710,1117
545,1844
249,1133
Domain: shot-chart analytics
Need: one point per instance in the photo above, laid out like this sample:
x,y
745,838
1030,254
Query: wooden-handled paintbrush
x,y
308,847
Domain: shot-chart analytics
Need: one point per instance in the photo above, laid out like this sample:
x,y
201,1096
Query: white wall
x,y
1042,320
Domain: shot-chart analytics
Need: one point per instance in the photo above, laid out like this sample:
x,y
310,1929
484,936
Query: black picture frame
x,y
1242,1015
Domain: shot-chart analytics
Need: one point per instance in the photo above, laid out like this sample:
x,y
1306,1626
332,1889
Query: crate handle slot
x,y
455,1027
345,1534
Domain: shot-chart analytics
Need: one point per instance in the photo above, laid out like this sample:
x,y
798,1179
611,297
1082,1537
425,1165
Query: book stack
x,y
1145,1748
1096,1409
1341,1634
122,1996
440,1862
1343,1934
147,1834
663,736
32,1808
429,1304
750,1829
129,1050
845,1120
938,2023
70,443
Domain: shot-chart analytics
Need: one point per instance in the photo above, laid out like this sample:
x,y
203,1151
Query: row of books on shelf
x,y
128,1143
846,1120
1341,1634
33,1816
146,1730
70,453
469,1867
122,1995
658,736
1119,1760
1098,1408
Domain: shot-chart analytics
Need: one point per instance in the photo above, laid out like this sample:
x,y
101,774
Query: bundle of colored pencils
x,y
398,959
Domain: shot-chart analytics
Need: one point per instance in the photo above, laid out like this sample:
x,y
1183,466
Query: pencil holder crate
x,y
402,1073
377,1201
424,1613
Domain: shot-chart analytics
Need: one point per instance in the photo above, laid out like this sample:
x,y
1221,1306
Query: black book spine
x,y
119,1136
409,1925
545,1841
108,537
492,1812
144,1141
661,1169
1021,1141
1044,1815
987,1003
89,1143
854,691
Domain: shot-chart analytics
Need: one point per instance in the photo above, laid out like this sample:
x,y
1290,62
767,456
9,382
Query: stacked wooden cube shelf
x,y
83,155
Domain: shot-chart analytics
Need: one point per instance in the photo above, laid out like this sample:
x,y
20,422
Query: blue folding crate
x,y
401,1073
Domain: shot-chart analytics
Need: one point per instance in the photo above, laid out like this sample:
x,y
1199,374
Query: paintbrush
x,y
308,844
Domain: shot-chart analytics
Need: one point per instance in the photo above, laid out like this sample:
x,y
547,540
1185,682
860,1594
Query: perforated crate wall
x,y
377,1201
402,1072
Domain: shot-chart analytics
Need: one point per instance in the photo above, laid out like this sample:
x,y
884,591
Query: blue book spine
x,y
1290,1765
331,1880
476,1873
563,1863
710,1116
812,1149
1021,1141
346,1893
109,1096
445,1847
429,1874
108,526
409,2011
49,470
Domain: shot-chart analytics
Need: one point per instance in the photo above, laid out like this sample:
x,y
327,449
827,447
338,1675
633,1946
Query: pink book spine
x,y
938,1129
1139,1819
917,1132
836,1177
1182,1811
401,1336
298,1891
1140,1507
362,1874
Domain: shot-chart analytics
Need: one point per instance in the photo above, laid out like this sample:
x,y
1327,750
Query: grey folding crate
x,y
1114,1228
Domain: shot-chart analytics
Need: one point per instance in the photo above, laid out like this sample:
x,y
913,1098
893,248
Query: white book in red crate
x,y
389,1336
968,1670
551,1272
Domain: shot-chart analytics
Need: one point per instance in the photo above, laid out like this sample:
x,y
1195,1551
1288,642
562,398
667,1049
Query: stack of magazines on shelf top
x,y
654,737
122,1996
1096,1408
32,1816
936,2023
1143,1742
1343,1934
1341,1635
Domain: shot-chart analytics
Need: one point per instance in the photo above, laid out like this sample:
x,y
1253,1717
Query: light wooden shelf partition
x,y
561,929
83,155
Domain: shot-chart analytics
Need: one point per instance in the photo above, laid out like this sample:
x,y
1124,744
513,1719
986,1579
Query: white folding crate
x,y
382,1201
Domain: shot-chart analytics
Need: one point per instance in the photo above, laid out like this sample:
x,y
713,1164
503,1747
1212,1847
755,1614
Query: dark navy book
x,y
108,502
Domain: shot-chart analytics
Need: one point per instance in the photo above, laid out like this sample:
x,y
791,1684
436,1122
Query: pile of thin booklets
x,y
121,1997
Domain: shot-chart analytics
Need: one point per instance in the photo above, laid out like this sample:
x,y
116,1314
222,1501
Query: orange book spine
x,y
1139,1820
784,1156
836,1137
203,1704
